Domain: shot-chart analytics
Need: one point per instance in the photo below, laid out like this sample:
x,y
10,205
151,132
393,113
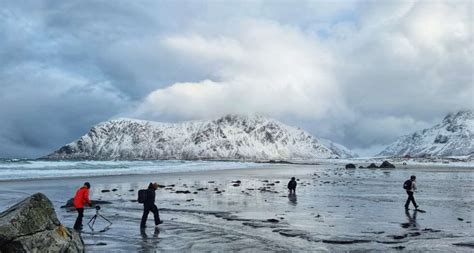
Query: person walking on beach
x,y
292,186
410,187
149,205
80,199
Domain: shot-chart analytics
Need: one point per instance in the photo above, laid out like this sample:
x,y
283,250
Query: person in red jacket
x,y
80,199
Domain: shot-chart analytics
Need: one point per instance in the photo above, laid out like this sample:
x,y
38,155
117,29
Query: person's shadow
x,y
411,224
292,198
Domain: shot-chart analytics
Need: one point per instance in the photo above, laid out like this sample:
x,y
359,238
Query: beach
x,y
248,209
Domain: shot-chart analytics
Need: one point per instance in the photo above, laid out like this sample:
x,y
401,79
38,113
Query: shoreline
x,y
422,166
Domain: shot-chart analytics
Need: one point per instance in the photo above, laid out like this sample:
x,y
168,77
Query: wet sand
x,y
335,209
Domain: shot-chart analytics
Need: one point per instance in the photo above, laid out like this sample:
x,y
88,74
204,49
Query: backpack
x,y
142,196
407,185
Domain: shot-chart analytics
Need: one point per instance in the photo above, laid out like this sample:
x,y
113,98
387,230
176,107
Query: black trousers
x,y
80,215
410,198
146,211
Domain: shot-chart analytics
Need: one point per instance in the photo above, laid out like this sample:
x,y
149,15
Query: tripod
x,y
94,218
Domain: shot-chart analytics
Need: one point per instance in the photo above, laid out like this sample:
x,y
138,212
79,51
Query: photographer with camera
x,y
149,205
80,199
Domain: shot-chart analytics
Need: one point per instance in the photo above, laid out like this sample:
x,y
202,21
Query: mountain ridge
x,y
453,136
231,137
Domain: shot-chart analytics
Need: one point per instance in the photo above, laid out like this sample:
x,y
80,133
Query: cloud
x,y
40,106
263,68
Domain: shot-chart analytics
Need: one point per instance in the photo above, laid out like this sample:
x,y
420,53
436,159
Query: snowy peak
x,y
454,136
230,137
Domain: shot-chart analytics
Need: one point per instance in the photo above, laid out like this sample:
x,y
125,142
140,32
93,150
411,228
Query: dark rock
x,y
350,166
397,237
114,190
465,244
372,165
342,240
387,165
460,219
105,191
131,190
211,182
237,182
273,220
361,167
101,244
235,185
398,247
70,204
32,226
184,192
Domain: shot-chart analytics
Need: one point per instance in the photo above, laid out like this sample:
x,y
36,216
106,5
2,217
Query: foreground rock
x,y
32,226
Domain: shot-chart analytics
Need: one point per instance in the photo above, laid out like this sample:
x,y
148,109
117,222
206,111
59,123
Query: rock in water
x,y
387,164
350,166
32,226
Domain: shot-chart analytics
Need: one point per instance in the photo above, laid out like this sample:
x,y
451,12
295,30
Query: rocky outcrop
x,y
372,166
350,166
32,226
387,165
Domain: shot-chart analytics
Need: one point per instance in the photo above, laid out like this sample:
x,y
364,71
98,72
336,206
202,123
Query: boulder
x,y
386,164
32,226
350,166
372,165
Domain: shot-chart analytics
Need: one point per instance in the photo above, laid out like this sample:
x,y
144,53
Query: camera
x,y
97,208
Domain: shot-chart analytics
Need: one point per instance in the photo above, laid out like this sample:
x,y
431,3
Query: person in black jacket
x,y
149,205
292,186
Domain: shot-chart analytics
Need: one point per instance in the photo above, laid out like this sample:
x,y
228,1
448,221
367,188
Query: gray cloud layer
x,y
355,72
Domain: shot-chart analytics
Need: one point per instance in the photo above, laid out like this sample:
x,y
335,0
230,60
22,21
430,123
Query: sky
x,y
360,73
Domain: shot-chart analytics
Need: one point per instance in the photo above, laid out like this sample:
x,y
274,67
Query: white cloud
x,y
263,68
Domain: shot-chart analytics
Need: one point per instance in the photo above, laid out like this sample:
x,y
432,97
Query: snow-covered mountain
x,y
230,137
454,136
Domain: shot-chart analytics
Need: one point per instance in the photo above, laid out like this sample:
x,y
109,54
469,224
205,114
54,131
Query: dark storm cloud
x,y
355,72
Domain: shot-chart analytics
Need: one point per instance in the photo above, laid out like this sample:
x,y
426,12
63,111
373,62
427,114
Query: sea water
x,y
18,169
